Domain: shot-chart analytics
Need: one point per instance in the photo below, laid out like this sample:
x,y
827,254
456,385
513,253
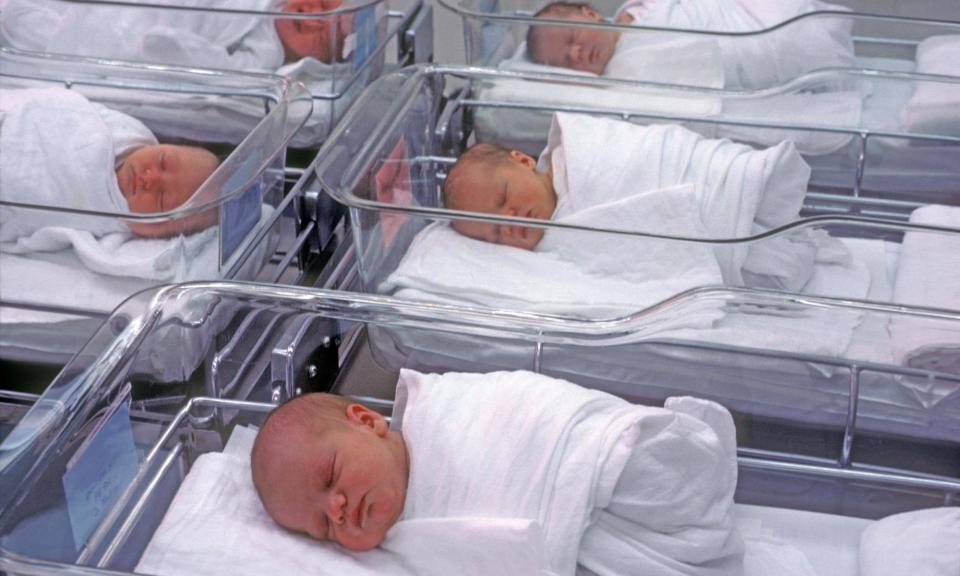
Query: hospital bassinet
x,y
495,29
162,33
415,123
178,370
52,301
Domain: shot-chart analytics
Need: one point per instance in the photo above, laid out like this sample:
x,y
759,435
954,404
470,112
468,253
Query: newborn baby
x,y
314,37
490,179
614,487
733,62
161,177
58,149
195,38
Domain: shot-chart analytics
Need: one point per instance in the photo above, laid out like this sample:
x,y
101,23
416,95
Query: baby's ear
x,y
525,159
360,414
591,13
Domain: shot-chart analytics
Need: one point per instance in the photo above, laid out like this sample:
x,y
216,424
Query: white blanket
x,y
58,149
933,108
923,542
655,484
196,38
216,526
748,62
102,272
740,191
929,275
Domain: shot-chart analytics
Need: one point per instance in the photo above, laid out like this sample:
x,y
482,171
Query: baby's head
x,y
332,469
494,180
162,177
314,37
579,48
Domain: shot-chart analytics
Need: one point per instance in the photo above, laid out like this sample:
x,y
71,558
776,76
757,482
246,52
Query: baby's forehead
x,y
474,183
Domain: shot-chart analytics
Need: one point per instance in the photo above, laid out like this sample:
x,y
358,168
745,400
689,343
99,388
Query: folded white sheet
x,y
929,275
934,107
122,253
58,149
913,543
216,526
446,267
784,542
654,485
103,272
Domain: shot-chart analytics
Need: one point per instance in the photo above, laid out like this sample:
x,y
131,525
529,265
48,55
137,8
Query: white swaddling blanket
x,y
59,149
740,191
913,543
748,62
928,274
195,38
470,442
216,526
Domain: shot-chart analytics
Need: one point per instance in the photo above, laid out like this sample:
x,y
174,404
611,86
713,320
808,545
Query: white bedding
x,y
101,273
216,526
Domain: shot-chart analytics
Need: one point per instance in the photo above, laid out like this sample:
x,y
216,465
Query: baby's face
x,y
347,487
320,38
160,178
514,188
584,49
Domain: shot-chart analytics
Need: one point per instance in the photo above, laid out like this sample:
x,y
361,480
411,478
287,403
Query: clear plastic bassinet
x,y
176,371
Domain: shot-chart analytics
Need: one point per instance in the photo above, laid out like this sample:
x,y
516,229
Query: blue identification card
x,y
365,31
237,218
99,472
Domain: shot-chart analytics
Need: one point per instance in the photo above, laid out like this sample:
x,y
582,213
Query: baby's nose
x,y
335,505
150,178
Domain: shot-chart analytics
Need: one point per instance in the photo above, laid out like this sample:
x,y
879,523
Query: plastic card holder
x,y
238,217
101,469
365,30
492,35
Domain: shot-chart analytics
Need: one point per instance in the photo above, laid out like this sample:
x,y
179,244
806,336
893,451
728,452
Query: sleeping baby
x,y
661,179
732,62
59,150
608,486
193,38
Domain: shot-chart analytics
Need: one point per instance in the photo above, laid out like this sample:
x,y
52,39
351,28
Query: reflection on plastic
x,y
393,186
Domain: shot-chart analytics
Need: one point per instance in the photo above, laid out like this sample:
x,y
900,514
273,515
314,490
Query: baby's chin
x,y
367,541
